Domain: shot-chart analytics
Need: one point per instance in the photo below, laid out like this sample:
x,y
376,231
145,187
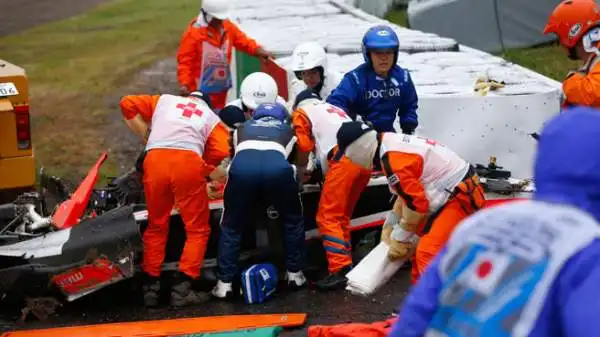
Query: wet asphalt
x,y
119,303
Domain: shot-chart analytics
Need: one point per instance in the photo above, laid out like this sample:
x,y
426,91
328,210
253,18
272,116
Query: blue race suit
x,y
260,170
567,175
362,92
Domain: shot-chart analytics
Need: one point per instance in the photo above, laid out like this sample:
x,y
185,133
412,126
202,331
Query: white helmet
x,y
216,8
308,55
258,88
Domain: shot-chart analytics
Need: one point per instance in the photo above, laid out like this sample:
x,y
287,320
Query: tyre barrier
x,y
333,61
442,55
448,73
424,68
437,64
262,4
433,61
338,33
467,61
278,11
455,71
425,45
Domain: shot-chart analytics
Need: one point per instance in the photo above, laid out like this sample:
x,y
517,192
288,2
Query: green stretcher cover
x,y
258,332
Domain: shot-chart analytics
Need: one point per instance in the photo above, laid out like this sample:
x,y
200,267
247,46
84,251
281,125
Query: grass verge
x,y
74,64
548,60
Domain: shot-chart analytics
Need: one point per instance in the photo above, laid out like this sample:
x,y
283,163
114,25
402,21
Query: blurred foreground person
x,y
525,268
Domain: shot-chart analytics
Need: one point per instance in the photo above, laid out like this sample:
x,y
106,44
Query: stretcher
x,y
173,327
372,272
259,332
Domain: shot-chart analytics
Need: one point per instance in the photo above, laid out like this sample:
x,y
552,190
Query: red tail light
x,y
23,127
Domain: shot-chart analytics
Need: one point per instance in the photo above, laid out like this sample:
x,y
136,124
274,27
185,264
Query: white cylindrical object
x,y
400,234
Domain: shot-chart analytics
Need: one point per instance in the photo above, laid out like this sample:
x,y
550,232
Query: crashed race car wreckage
x,y
94,237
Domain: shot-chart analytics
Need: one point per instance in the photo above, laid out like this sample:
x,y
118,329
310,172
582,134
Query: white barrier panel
x,y
480,127
450,73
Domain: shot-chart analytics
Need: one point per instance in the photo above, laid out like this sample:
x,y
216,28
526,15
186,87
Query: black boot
x,y
182,293
151,289
335,280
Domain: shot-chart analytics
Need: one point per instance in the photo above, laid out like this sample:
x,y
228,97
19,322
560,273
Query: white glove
x,y
402,243
400,234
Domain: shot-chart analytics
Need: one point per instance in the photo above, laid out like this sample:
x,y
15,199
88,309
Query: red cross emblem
x,y
189,109
337,111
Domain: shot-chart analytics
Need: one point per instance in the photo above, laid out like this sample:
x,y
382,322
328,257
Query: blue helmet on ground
x,y
275,110
380,37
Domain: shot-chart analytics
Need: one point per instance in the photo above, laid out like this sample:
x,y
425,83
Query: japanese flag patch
x,y
485,272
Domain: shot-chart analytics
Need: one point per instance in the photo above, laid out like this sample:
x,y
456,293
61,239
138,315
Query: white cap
x,y
308,55
216,8
258,88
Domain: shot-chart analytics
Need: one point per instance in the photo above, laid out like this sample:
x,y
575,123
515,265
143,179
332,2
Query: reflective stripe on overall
x,y
344,182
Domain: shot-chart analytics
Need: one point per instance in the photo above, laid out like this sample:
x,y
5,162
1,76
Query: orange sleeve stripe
x,y
217,145
583,89
303,130
404,171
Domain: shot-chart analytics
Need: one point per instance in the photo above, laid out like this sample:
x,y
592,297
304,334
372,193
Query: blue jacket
x,y
267,133
567,171
361,92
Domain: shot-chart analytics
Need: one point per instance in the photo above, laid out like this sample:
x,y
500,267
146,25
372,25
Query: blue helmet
x,y
275,110
380,37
